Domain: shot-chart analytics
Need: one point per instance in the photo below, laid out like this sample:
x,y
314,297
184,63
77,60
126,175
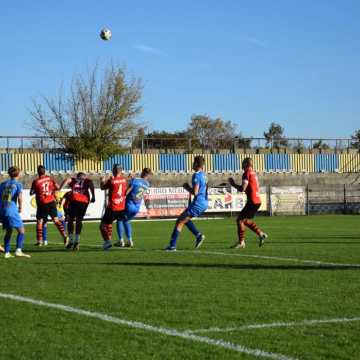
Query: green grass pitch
x,y
294,277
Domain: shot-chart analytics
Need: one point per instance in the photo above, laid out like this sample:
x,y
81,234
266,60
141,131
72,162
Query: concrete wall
x,y
314,180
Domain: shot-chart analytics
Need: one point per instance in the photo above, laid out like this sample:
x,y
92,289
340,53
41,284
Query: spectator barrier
x,y
183,162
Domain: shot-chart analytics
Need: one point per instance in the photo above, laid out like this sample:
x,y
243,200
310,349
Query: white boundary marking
x,y
155,329
274,325
265,257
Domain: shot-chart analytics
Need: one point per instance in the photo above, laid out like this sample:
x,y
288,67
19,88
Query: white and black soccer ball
x,y
105,34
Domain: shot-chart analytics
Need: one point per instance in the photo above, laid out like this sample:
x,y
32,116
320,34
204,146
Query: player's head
x,y
117,169
41,170
146,173
198,163
14,172
247,162
81,175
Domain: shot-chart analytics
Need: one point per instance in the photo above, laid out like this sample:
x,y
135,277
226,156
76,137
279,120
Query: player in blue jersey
x,y
197,207
10,208
134,198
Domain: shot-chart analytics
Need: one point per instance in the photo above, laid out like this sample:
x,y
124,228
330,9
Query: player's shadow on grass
x,y
234,266
296,242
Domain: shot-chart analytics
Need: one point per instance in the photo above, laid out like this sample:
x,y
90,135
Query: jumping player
x,y
116,186
10,208
80,186
134,197
44,188
196,208
250,186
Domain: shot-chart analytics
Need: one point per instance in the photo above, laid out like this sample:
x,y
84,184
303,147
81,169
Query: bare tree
x,y
95,118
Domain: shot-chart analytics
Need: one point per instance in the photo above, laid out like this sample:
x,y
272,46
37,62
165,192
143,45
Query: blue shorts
x,y
131,211
196,209
60,214
11,221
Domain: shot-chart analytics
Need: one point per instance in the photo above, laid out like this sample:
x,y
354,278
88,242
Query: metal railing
x,y
147,144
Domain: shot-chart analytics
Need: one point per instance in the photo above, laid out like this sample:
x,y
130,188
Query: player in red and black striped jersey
x,y
116,186
81,187
65,203
44,188
250,185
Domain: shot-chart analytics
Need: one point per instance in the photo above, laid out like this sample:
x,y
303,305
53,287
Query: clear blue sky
x,y
253,62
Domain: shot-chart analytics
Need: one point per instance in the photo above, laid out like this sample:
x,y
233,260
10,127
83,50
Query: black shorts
x,y
111,215
77,210
249,211
45,210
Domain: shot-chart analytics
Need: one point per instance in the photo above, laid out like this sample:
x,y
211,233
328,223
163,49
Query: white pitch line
x,y
150,328
274,325
265,257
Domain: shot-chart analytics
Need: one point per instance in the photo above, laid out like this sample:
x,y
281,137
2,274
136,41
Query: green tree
x,y
356,140
275,136
161,140
96,119
299,146
211,133
320,145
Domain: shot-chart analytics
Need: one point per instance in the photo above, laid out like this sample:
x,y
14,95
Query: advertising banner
x,y
163,202
288,200
160,202
223,200
94,210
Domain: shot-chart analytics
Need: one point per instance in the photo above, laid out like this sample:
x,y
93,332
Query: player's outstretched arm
x,y
235,185
103,183
32,190
65,182
20,202
188,188
62,201
92,190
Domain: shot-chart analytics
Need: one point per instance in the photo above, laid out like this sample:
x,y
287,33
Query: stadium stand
x,y
182,163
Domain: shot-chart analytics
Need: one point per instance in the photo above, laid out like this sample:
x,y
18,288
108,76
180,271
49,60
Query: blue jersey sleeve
x,y
19,188
196,179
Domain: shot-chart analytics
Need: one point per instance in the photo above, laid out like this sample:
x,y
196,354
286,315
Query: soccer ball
x,y
105,34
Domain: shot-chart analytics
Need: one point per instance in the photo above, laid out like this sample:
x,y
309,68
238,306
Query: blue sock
x,y
20,240
128,229
119,229
174,236
44,232
7,243
191,226
63,222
